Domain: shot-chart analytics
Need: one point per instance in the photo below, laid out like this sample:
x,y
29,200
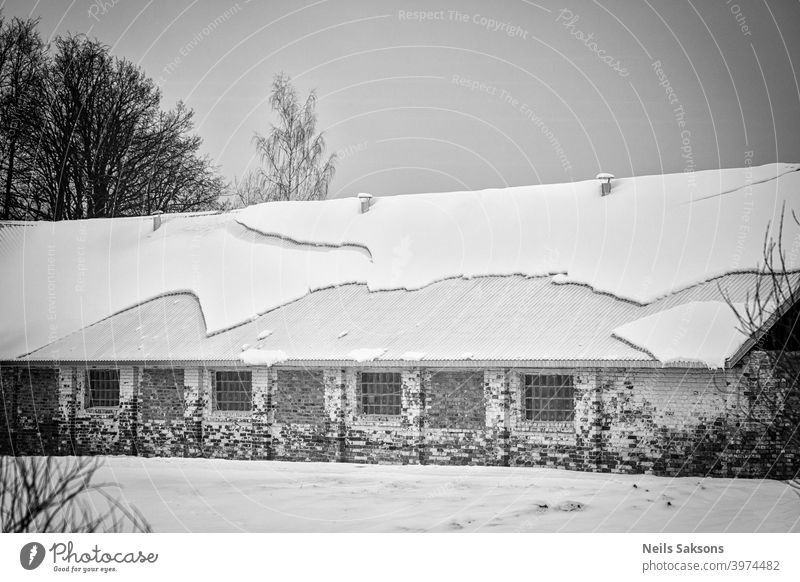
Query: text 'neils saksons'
x,y
663,548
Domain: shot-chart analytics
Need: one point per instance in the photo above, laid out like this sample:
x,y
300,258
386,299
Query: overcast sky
x,y
472,95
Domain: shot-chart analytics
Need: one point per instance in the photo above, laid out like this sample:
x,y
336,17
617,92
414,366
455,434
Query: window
x,y
103,388
380,393
548,397
233,391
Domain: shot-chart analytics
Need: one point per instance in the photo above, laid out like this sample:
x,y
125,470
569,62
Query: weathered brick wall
x,y
661,420
263,414
225,435
129,416
300,397
557,444
161,413
301,425
497,402
29,409
455,431
162,394
765,439
454,400
227,438
98,431
684,422
138,425
194,398
336,412
384,439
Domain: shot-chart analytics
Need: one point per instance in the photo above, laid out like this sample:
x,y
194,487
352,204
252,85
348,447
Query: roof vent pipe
x,y
157,220
605,186
366,200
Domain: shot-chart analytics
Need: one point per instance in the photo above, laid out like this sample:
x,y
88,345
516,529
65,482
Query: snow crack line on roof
x,y
742,187
277,238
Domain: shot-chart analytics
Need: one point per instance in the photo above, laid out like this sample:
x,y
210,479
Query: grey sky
x,y
477,94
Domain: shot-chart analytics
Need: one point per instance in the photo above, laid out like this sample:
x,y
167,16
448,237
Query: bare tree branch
x,y
60,494
292,154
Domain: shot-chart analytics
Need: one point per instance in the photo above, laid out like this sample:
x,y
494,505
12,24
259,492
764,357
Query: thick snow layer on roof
x,y
366,354
650,237
256,357
699,331
59,277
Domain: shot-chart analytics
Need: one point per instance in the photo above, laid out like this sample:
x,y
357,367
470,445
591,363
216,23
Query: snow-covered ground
x,y
201,495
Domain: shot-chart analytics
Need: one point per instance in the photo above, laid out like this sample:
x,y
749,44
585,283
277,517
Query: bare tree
x,y
165,170
108,149
60,494
292,154
245,191
22,59
92,135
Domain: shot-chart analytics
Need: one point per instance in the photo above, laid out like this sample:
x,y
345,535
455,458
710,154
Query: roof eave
x,y
343,363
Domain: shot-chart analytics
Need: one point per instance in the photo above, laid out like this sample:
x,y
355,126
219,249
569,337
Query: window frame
x,y
560,393
106,403
215,388
368,410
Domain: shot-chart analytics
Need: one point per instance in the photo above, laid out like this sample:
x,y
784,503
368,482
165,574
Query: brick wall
x,y
98,430
558,444
301,425
454,400
29,415
384,438
662,420
161,431
224,434
455,430
763,434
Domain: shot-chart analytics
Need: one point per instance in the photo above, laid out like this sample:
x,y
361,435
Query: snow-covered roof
x,y
512,319
468,267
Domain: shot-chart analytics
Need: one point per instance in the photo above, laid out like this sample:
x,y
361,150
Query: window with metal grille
x,y
233,390
380,393
548,397
103,388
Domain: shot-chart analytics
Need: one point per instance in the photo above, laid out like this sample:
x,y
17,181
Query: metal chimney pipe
x,y
605,186
366,200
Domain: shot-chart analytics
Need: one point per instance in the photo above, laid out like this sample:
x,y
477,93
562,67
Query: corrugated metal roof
x,y
508,319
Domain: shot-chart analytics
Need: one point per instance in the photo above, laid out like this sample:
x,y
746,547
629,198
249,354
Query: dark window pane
x,y
103,388
549,397
233,391
380,393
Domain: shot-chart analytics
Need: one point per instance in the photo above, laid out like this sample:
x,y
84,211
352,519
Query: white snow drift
x,y
706,332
